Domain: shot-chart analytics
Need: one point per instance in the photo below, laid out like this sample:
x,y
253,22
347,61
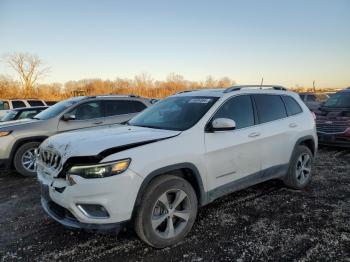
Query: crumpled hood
x,y
93,142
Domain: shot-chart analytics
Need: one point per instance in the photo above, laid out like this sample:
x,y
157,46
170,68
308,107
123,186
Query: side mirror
x,y
68,117
223,124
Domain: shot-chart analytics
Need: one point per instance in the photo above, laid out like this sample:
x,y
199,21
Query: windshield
x,y
339,100
10,115
174,113
57,108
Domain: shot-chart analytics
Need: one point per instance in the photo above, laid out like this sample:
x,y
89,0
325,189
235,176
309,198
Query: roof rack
x,y
239,87
186,91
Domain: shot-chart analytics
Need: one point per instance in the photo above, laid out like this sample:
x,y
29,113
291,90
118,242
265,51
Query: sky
x,y
290,43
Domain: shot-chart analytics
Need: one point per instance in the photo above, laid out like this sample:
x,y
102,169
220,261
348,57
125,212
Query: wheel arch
x,y
188,171
21,142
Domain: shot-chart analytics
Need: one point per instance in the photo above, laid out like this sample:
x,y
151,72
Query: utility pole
x,y
313,86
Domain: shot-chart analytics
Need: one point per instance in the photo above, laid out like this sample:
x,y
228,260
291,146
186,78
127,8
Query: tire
x,y
152,210
20,157
297,176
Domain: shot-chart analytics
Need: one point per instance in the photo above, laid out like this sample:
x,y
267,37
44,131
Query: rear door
x,y
235,154
88,114
274,124
122,110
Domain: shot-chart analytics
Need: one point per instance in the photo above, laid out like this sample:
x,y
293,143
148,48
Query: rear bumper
x,y
66,218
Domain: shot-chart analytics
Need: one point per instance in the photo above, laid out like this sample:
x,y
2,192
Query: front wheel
x,y
24,160
167,211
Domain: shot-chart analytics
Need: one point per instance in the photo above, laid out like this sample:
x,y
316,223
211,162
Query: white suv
x,y
182,153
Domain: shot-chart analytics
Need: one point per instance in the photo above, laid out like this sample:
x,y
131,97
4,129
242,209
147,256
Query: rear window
x,y
292,106
35,103
18,104
270,107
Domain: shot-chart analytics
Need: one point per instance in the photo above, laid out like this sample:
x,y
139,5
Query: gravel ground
x,y
265,222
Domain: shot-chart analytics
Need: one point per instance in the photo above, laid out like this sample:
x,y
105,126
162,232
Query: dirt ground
x,y
265,222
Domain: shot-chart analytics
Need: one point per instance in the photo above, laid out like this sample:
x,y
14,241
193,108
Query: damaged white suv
x,y
182,153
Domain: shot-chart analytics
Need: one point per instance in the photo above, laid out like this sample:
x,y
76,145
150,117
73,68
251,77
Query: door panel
x,y
231,155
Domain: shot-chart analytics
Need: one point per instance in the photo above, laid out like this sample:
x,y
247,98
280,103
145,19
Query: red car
x,y
333,120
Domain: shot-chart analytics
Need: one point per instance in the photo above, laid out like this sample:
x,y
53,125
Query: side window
x,y
302,97
6,105
18,104
311,98
27,114
35,103
122,107
87,110
270,107
292,106
239,109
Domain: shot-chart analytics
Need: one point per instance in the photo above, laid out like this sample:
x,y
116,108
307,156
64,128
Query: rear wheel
x,y
300,169
167,211
24,160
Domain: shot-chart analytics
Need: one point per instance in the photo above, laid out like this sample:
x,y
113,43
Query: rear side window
x,y
18,104
4,105
270,107
122,107
239,109
35,103
292,106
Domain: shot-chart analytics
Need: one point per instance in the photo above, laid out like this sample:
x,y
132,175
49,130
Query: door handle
x,y
292,125
98,122
255,134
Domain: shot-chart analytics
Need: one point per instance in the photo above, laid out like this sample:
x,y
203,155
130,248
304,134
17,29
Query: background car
x,y
333,120
22,113
313,100
6,105
19,139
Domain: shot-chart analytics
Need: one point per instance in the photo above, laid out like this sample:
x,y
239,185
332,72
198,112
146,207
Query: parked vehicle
x,y
313,100
6,105
181,153
19,140
333,120
22,113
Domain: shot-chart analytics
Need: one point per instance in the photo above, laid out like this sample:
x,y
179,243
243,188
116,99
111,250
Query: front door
x,y
233,155
89,114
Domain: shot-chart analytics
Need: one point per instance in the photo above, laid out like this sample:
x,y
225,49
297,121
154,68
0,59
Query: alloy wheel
x,y
303,168
171,213
28,160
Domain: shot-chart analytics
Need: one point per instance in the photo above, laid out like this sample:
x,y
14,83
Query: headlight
x,y
100,170
5,133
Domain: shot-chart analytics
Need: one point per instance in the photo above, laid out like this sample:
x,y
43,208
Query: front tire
x,y
300,169
24,160
167,211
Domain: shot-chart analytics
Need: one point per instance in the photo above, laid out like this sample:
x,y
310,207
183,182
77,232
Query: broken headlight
x,y
100,170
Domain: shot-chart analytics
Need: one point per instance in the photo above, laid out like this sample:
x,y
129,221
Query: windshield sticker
x,y
200,100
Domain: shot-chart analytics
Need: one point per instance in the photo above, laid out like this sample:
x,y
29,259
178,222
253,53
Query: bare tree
x,y
29,68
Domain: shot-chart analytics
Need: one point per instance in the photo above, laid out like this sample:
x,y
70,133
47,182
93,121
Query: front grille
x,y
331,127
50,158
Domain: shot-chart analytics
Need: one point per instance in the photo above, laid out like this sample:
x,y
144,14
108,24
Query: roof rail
x,y
239,87
186,91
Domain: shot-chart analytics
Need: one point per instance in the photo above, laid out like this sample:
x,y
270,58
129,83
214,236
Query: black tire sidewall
x,y
18,158
154,192
292,179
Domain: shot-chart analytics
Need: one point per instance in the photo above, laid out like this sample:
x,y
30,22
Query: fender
x,y
22,141
202,194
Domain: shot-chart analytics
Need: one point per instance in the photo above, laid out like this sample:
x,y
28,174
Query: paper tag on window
x,y
200,100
